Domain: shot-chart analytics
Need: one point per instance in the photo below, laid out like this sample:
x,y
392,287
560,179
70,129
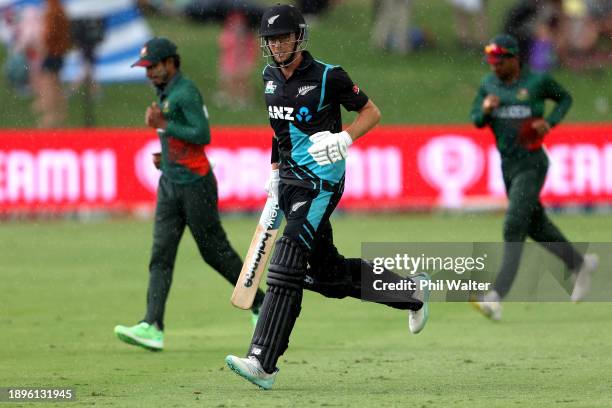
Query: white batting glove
x,y
272,184
329,147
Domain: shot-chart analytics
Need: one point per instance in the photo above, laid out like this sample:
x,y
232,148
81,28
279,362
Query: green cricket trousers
x,y
194,205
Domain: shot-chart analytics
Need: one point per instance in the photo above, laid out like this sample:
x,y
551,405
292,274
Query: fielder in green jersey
x,y
187,191
511,102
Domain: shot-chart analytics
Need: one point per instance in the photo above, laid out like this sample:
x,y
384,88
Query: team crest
x,y
143,52
355,89
303,90
166,107
270,87
272,19
522,94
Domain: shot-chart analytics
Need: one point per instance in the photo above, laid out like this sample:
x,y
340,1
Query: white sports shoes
x,y
418,319
250,368
584,277
489,305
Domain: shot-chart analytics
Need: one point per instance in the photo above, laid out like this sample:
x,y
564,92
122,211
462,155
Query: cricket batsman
x,y
511,102
309,149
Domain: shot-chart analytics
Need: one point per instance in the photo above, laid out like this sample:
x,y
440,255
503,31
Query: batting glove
x,y
329,147
272,184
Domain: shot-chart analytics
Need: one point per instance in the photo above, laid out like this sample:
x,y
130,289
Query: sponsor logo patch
x,y
522,94
270,87
303,115
281,112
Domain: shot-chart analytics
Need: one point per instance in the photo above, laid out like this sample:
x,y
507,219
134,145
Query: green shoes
x,y
143,334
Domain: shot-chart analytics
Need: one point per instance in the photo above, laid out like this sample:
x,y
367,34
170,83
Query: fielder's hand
x,y
154,117
329,147
272,184
541,126
489,103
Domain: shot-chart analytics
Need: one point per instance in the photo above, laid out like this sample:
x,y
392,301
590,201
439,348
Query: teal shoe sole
x,y
260,384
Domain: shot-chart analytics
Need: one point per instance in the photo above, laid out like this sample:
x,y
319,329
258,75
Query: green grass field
x,y
405,88
66,284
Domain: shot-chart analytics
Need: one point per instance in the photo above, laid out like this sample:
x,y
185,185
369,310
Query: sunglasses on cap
x,y
496,53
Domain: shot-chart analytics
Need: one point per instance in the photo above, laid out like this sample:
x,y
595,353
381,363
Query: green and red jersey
x,y
520,102
188,131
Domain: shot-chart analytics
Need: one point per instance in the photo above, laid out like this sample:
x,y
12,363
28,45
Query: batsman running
x,y
511,101
309,149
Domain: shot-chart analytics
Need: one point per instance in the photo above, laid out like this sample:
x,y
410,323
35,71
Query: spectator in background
x,y
392,26
55,43
588,27
237,59
471,23
16,66
26,38
88,28
537,26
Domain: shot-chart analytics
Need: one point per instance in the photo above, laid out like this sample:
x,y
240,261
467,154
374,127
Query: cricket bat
x,y
257,256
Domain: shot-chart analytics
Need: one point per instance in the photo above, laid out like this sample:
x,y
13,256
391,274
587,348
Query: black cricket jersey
x,y
306,103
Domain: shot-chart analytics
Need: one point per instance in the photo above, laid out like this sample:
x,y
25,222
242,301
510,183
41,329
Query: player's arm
x,y
327,147
482,108
367,118
196,130
553,90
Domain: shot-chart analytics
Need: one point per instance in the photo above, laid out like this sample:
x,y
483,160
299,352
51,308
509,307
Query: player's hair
x,y
175,58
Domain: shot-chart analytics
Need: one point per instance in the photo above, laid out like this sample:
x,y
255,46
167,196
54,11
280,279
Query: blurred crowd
x,y
575,34
39,38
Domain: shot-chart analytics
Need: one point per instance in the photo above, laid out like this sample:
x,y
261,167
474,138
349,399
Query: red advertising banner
x,y
391,168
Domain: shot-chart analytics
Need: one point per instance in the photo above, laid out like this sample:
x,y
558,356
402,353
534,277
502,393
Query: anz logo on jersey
x,y
281,112
286,113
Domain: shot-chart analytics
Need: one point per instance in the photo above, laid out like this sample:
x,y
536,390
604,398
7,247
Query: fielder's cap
x,y
501,46
155,50
281,19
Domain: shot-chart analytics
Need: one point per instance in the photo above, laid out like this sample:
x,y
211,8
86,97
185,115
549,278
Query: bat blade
x,y
257,256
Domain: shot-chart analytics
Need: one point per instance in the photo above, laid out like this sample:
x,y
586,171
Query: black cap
x,y
281,19
155,50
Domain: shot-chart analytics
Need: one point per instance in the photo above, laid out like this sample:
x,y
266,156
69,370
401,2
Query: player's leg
x,y
523,190
334,276
544,231
167,231
523,201
580,267
278,314
282,303
200,201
